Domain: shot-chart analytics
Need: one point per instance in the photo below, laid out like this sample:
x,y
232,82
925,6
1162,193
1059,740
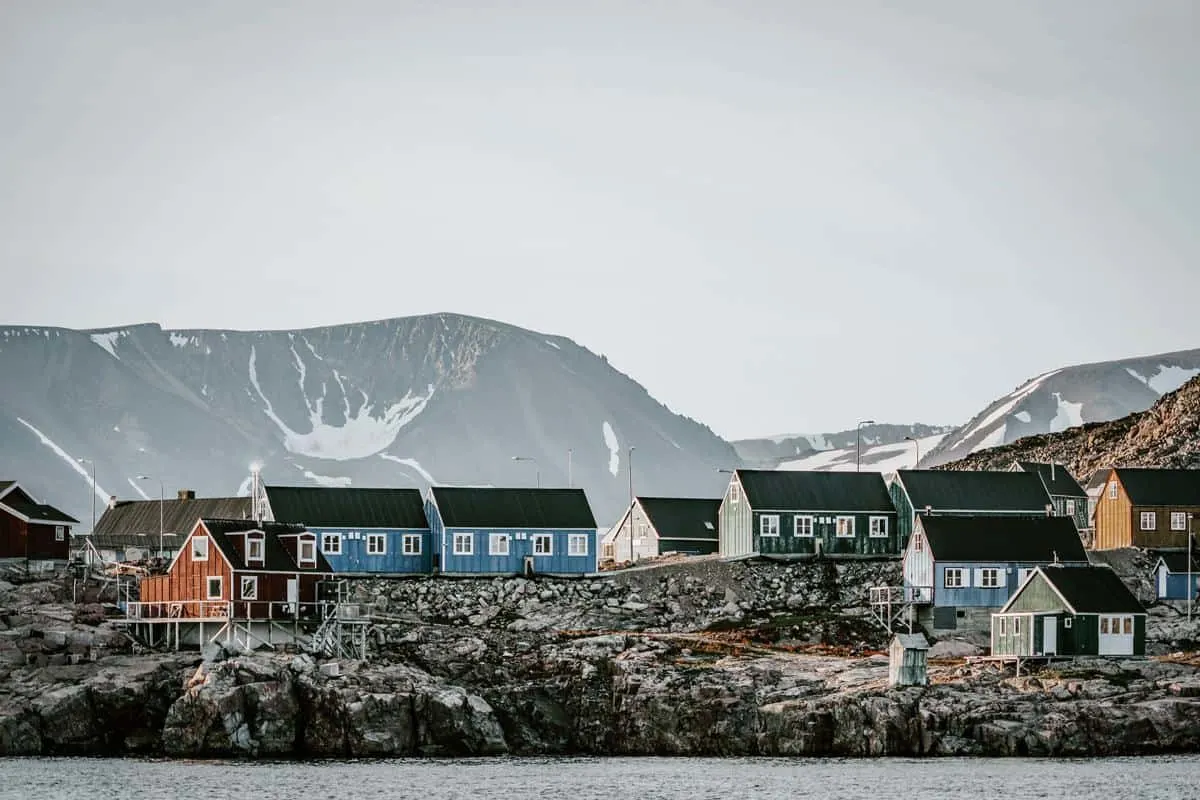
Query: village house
x,y
499,531
1069,498
360,530
1145,507
1171,575
965,492
128,530
1064,610
958,569
663,525
32,532
785,514
1094,488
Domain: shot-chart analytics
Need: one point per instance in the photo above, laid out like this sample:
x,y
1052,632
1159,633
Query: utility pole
x,y
1191,583
917,442
92,530
629,464
858,447
537,469
570,452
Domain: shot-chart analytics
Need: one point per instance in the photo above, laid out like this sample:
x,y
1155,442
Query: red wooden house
x,y
239,569
30,530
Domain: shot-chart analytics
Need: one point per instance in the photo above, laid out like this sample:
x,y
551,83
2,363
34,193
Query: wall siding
x,y
978,596
643,547
1039,595
188,579
904,511
918,565
735,526
559,562
354,557
1162,535
1177,584
1079,517
1113,518
825,533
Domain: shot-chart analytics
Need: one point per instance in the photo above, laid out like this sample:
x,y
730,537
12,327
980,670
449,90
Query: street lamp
x,y
1191,584
160,510
917,442
858,448
570,452
629,464
93,493
537,469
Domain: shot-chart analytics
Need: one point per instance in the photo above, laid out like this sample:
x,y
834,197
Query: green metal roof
x,y
1055,477
1161,487
1093,590
682,517
783,490
970,490
1002,539
470,507
325,507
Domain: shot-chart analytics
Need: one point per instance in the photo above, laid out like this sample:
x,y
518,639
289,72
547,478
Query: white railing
x,y
900,595
268,610
178,609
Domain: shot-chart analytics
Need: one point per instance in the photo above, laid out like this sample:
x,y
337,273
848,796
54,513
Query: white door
x,y
1162,581
293,594
1116,636
1050,636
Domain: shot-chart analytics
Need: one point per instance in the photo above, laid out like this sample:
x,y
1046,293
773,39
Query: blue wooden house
x,y
376,531
961,568
965,492
1171,575
789,514
495,531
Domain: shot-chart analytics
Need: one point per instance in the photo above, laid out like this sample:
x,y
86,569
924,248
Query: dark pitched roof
x,y
1176,561
134,523
783,490
1021,539
1093,590
966,490
682,517
38,512
1161,487
5,484
1098,479
276,557
469,507
1055,477
325,507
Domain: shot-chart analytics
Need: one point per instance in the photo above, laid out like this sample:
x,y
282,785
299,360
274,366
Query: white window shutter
x,y
978,580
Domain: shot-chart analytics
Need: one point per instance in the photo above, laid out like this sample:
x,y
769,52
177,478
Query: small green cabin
x,y
1067,610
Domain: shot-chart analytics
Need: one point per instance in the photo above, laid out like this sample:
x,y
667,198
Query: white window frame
x,y
331,543
577,544
735,493
464,544
407,544
957,573
380,542
200,548
1112,490
208,584
989,572
643,531
849,528
1068,621
60,533
1002,625
608,550
768,526
918,543
878,528
494,541
1070,508
262,549
538,539
1016,626
1151,517
803,531
1182,517
251,581
301,543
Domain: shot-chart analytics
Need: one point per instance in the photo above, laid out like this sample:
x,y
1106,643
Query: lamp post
x,y
858,446
536,468
160,510
917,442
92,530
570,453
629,464
1191,584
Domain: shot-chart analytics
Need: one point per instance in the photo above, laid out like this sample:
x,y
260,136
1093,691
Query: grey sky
x,y
776,216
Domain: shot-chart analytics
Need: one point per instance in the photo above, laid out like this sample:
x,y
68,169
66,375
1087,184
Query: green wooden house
x,y
785,514
965,493
1063,610
1069,498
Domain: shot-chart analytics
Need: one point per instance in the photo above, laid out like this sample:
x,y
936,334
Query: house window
x,y
411,544
845,527
735,493
1067,622
989,578
543,544
804,527
643,531
1022,574
1104,625
609,550
376,544
199,548
250,587
1149,520
308,551
254,549
768,525
60,533
1003,620
918,542
879,527
331,544
1178,521
464,544
1112,490
498,544
1070,506
953,578
1016,626
577,544
215,588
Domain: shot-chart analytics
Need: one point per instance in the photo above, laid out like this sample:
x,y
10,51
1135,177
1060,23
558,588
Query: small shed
x,y
908,660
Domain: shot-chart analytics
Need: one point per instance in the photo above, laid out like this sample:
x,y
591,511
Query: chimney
x,y
187,494
112,501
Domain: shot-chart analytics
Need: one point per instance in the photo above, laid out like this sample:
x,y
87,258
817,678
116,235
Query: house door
x,y
293,595
1050,636
1116,636
1162,582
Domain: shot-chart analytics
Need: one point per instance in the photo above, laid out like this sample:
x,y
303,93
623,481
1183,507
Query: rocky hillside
x,y
401,402
1070,397
1165,435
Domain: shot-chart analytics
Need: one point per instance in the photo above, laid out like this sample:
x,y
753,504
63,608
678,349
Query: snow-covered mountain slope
x,y
402,402
875,458
770,451
1069,397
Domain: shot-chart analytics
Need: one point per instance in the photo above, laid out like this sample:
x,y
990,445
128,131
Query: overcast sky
x,y
776,216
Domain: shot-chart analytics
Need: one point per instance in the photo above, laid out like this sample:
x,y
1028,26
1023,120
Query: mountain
x,y
400,402
1069,397
884,448
1165,435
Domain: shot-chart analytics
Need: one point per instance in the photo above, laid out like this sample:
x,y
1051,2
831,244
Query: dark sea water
x,y
605,778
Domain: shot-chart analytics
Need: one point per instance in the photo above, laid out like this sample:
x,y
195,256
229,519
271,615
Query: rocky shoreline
x,y
704,660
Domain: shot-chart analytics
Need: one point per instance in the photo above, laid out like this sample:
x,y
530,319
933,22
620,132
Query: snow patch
x,y
108,341
65,456
1003,408
1168,379
326,480
881,458
1070,415
552,344
614,448
1138,376
1023,416
137,487
410,462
